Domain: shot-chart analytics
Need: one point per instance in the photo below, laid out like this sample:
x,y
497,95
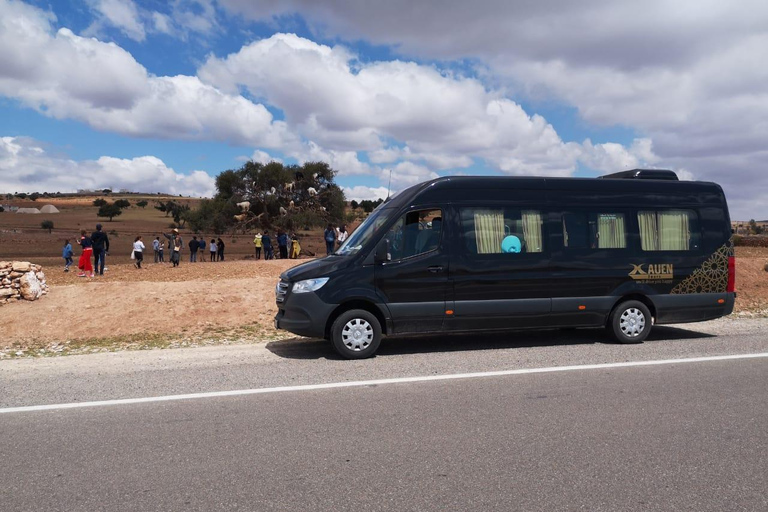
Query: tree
x,y
354,204
280,196
754,228
99,202
110,210
47,224
122,203
142,204
34,196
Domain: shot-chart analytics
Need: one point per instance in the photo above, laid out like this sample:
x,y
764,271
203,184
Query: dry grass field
x,y
194,304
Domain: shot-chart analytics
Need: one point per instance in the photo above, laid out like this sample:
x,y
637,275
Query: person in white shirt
x,y
138,251
342,234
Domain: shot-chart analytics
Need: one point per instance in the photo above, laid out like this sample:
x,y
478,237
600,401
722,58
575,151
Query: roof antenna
x,y
390,183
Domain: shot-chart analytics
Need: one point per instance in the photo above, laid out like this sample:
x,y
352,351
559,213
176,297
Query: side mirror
x,y
381,254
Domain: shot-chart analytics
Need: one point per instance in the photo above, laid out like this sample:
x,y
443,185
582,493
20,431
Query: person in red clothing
x,y
85,258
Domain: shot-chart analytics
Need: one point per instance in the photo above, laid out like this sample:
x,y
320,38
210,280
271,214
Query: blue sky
x,y
163,95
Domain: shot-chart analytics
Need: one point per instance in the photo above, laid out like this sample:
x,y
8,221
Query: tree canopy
x,y
110,210
271,195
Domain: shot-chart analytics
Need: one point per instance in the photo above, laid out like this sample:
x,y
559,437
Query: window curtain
x,y
675,230
532,230
489,231
610,231
649,231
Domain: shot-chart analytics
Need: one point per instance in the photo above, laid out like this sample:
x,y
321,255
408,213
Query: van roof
x,y
646,184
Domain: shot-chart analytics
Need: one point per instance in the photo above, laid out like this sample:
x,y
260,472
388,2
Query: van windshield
x,y
365,232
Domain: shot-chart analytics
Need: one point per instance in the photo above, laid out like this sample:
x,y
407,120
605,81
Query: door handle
x,y
435,268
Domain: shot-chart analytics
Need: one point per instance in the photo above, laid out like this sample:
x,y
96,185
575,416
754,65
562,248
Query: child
x,y
67,255
85,258
138,251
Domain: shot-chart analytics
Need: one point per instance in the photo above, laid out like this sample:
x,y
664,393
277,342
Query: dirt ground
x,y
196,303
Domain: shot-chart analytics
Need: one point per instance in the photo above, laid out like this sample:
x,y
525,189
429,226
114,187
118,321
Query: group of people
x,y
95,246
264,241
195,246
334,237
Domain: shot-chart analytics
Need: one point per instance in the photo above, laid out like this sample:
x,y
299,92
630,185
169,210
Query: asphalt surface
x,y
673,437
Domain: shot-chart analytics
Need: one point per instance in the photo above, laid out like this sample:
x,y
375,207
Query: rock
x,y
30,289
766,267
6,292
40,275
15,274
21,266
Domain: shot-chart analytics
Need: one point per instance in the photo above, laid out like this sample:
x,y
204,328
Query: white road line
x,y
379,382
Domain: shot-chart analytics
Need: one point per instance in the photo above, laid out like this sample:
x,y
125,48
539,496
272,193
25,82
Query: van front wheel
x,y
356,334
630,322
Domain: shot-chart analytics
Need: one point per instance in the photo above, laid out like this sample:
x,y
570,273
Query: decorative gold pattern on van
x,y
711,277
655,272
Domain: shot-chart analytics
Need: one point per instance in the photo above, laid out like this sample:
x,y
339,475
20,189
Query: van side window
x,y
590,230
415,233
668,230
502,230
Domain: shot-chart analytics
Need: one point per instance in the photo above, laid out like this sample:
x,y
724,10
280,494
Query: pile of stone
x,y
21,280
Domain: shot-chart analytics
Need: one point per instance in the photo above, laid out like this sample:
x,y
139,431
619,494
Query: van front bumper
x,y
304,314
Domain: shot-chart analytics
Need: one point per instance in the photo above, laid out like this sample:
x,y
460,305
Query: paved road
x,y
672,437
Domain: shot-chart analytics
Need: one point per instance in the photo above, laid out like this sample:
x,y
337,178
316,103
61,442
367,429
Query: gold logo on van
x,y
655,272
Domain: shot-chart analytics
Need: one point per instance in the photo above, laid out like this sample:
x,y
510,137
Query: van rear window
x,y
502,230
668,230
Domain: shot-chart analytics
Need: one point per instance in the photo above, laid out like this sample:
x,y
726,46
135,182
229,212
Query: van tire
x,y
356,334
630,322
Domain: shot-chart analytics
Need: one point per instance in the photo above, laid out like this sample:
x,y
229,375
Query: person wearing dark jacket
x,y
194,245
267,243
220,248
282,244
100,242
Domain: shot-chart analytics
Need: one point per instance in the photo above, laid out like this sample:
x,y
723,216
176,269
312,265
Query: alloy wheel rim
x,y
632,322
357,334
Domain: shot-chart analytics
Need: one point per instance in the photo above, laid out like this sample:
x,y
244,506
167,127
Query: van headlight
x,y
309,285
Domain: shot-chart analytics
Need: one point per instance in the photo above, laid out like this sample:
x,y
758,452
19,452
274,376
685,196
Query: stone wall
x,y
21,280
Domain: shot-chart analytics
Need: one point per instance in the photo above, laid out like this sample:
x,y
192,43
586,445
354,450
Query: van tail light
x,y
731,274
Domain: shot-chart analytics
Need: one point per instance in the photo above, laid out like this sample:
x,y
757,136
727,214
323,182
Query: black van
x,y
624,251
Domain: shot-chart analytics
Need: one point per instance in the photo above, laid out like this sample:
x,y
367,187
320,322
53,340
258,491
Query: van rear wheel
x,y
356,334
630,322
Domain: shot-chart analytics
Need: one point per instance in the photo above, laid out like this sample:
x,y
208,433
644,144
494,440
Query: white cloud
x,y
346,162
444,121
362,193
121,14
26,165
63,75
263,157
611,157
